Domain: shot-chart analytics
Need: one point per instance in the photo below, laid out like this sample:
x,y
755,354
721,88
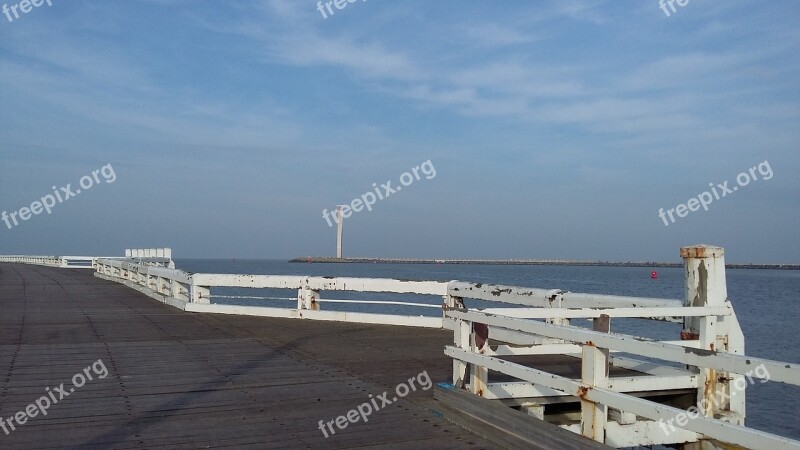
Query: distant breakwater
x,y
523,262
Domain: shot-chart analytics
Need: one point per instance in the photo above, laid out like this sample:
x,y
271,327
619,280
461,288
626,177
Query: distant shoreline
x,y
522,262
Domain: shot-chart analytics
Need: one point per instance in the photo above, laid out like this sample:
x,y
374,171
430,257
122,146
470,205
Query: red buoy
x,y
654,275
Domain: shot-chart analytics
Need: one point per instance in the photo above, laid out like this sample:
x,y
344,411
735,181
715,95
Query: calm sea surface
x,y
766,302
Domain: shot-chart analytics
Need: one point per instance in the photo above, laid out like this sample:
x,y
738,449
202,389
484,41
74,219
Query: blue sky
x,y
557,129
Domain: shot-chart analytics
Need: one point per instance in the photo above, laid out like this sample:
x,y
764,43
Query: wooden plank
x,y
518,429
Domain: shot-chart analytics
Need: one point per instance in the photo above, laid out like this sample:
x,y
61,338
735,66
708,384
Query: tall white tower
x,y
340,219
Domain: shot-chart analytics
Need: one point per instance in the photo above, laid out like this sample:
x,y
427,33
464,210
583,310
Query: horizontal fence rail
x,y
704,364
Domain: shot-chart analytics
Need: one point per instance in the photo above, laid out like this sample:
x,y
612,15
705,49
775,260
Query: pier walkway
x,y
182,380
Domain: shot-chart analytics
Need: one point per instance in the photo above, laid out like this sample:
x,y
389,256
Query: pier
x,y
184,380
185,371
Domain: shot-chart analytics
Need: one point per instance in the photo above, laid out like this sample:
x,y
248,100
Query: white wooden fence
x,y
67,262
710,350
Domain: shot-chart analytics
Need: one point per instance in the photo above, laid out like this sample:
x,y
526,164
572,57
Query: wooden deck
x,y
183,380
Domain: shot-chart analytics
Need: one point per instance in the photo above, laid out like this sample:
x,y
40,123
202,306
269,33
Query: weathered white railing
x,y
147,256
193,292
711,351
706,358
67,262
